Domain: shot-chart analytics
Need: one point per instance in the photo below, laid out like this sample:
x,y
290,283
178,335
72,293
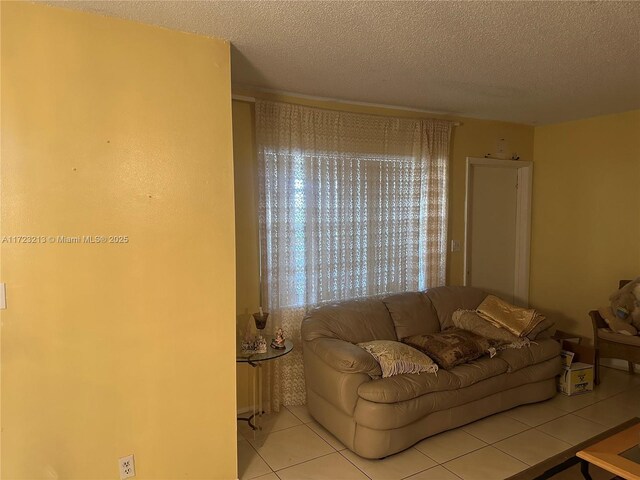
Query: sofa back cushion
x,y
412,314
447,300
354,321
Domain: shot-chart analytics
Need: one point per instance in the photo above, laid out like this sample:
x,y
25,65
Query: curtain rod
x,y
244,98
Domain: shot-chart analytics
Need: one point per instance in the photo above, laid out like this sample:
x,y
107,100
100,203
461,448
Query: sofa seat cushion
x,y
607,334
405,387
384,416
478,370
537,352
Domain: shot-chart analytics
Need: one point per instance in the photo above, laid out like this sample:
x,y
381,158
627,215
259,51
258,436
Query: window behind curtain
x,y
344,226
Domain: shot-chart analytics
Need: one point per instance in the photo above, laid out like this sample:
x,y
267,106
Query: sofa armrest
x,y
344,356
334,370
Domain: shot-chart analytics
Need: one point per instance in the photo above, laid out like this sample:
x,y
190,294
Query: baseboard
x,y
618,364
243,410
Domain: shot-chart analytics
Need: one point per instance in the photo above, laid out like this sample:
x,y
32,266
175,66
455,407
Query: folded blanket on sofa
x,y
519,321
503,338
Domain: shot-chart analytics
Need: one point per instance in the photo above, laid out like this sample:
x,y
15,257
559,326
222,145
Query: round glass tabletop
x,y
270,354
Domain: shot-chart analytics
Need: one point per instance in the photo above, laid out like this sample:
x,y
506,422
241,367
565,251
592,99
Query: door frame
x,y
523,221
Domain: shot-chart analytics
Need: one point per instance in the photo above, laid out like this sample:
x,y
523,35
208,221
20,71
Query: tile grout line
x,y
325,440
308,460
320,437
492,446
428,468
571,413
491,443
451,472
414,447
262,458
265,460
515,458
363,472
600,401
422,471
293,413
305,461
299,463
466,453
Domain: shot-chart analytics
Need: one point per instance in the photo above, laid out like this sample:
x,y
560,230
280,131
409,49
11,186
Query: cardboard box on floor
x,y
577,368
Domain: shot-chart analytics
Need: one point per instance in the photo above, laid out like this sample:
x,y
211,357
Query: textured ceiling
x,y
528,62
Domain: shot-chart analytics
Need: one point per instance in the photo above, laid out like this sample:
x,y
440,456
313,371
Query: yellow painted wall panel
x,y
247,263
586,215
112,128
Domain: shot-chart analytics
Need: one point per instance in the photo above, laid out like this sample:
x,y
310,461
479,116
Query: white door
x,y
497,232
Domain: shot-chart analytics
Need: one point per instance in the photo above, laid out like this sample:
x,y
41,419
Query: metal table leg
x,y
255,419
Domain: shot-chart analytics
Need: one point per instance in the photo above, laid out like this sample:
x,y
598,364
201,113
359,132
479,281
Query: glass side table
x,y
256,360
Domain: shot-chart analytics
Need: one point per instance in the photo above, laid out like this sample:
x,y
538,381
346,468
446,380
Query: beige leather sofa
x,y
379,417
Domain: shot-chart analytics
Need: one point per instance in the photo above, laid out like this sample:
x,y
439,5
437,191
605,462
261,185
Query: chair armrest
x,y
344,356
597,320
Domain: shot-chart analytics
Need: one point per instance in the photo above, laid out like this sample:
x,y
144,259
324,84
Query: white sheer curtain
x,y
351,205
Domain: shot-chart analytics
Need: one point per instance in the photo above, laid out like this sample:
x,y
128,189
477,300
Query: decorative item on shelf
x,y
247,347
278,342
514,156
252,345
261,344
253,341
502,147
261,319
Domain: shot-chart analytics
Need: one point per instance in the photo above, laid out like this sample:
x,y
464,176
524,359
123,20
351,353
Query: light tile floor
x,y
293,446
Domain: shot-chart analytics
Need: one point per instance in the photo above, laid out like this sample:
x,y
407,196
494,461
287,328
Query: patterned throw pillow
x,y
451,347
396,358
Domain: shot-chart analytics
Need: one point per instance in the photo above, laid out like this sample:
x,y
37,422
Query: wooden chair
x,y
610,346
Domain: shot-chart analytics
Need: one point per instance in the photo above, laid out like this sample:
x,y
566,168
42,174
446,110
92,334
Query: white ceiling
x,y
528,62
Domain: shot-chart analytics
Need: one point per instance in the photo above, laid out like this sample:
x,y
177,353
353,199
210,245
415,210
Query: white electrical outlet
x,y
127,467
455,245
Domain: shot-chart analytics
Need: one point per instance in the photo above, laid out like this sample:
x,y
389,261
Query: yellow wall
x,y
247,263
472,138
115,128
586,215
